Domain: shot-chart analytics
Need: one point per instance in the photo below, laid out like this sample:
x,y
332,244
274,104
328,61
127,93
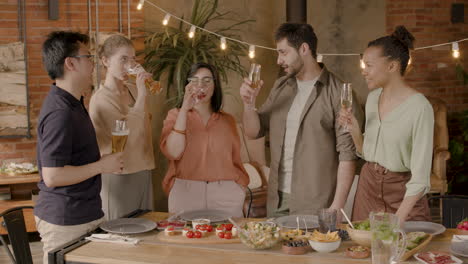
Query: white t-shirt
x,y
304,88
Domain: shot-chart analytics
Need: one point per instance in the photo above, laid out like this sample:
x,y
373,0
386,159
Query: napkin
x,y
113,238
460,238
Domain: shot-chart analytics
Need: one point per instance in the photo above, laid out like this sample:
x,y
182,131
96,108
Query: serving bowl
x,y
361,237
259,235
325,246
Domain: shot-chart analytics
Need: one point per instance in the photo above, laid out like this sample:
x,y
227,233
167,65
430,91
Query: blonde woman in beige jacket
x,y
133,189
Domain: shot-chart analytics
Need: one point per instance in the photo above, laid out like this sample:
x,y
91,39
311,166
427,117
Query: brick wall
x,y
433,70
73,15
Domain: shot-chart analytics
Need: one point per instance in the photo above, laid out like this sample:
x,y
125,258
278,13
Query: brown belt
x,y
379,168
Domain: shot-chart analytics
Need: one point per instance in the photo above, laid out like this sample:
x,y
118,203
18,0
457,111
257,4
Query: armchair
x,y
253,157
441,141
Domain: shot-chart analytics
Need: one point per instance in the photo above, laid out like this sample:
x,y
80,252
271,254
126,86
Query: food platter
x,y
295,221
15,169
128,226
426,227
211,214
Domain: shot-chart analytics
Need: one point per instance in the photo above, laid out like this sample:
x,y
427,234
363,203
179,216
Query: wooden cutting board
x,y
210,238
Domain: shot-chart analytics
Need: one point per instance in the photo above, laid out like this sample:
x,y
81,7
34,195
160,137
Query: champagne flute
x,y
254,76
154,87
346,100
119,136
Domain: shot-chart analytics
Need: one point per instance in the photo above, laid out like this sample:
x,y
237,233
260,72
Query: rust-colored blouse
x,y
212,152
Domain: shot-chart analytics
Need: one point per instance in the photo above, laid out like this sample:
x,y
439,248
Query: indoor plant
x,y
171,52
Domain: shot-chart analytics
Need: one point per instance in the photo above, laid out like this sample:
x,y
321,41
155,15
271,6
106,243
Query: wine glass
x,y
198,93
254,77
346,99
200,87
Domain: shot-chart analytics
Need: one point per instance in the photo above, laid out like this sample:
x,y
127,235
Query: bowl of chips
x,y
321,242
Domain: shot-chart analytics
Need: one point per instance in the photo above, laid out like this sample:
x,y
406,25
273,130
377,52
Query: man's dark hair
x,y
217,98
58,46
296,34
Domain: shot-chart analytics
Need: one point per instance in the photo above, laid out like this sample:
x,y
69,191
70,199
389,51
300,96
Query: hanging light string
x,y
193,28
442,44
206,30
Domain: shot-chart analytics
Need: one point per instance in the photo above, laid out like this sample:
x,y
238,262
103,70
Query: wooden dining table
x,y
151,249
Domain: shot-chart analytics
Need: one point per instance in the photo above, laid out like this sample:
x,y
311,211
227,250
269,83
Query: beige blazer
x,y
320,144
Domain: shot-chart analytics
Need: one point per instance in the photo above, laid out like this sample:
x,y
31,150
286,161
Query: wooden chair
x,y
454,209
441,142
253,156
13,220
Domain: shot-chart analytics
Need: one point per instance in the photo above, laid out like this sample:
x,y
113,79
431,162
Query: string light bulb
x,y
361,62
223,43
191,33
455,50
140,4
166,19
319,58
252,51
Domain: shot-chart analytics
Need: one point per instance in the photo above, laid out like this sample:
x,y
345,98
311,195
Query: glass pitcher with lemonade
x,y
388,240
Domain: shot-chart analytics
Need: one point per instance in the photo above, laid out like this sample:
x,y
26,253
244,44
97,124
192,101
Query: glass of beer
x,y
254,76
119,136
133,70
346,99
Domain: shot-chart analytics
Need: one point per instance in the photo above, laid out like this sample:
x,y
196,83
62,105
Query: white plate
x,y
210,214
289,221
459,249
128,226
426,227
457,260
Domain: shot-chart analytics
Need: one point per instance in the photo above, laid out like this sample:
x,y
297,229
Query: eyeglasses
x,y
89,56
202,81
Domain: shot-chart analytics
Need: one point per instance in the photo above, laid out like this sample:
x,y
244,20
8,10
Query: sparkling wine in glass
x,y
254,76
200,86
133,70
346,99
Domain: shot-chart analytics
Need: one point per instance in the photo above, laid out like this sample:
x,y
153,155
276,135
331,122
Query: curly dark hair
x,y
396,46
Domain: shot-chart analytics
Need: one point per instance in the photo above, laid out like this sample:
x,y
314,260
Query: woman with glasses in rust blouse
x,y
203,148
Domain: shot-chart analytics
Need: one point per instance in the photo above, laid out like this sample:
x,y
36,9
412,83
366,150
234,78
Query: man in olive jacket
x,y
313,159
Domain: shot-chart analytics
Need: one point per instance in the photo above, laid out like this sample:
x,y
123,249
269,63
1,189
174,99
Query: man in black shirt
x,y
69,162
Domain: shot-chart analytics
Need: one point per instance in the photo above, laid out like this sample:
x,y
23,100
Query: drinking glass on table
x,y
254,77
346,99
119,136
133,69
327,220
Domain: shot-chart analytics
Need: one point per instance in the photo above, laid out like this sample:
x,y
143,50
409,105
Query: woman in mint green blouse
x,y
398,139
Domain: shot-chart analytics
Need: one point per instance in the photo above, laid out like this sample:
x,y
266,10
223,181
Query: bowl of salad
x,y
259,235
361,233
